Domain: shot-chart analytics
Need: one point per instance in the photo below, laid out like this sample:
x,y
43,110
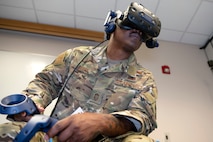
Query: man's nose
x,y
138,31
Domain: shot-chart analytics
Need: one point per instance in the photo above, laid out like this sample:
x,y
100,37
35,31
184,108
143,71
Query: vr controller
x,y
135,17
37,123
17,103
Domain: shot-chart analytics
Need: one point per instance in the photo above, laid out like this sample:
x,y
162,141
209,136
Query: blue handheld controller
x,y
17,103
37,123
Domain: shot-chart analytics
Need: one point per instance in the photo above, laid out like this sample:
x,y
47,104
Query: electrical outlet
x,y
167,137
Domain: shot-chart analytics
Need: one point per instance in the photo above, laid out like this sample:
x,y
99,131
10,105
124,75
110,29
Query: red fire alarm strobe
x,y
165,69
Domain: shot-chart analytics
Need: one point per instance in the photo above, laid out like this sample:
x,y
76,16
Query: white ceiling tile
x,y
57,6
203,20
17,13
55,19
169,35
94,8
90,24
149,4
194,39
176,14
17,3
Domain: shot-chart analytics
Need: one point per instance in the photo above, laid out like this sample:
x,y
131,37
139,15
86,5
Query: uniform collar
x,y
129,66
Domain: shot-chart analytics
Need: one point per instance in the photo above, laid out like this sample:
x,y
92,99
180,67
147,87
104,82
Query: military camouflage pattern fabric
x,y
8,132
96,84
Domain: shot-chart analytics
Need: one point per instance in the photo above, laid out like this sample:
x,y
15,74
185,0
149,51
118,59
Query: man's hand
x,y
81,127
23,115
85,127
40,108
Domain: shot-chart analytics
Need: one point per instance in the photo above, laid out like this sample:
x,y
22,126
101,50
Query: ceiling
x,y
183,21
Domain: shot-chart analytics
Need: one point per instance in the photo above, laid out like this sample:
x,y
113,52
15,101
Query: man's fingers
x,y
66,134
21,117
40,108
58,127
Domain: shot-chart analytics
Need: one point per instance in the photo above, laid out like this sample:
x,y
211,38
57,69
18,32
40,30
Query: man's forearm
x,y
114,126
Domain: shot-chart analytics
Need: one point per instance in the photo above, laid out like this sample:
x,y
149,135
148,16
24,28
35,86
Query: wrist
x,y
114,126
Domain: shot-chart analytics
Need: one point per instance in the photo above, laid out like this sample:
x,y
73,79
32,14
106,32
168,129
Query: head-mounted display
x,y
138,17
135,17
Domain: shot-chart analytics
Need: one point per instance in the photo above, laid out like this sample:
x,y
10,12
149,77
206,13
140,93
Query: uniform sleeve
x,y
142,108
47,83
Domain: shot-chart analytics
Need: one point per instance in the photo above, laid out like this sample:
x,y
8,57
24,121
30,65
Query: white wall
x,y
185,96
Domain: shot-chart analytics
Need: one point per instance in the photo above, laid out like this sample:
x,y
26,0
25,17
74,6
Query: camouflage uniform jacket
x,y
125,89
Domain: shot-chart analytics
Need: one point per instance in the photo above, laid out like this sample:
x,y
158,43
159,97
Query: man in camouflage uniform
x,y
116,94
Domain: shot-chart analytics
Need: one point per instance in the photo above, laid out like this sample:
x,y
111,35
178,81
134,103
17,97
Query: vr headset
x,y
135,17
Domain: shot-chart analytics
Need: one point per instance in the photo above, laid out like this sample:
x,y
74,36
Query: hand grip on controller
x,y
17,103
37,123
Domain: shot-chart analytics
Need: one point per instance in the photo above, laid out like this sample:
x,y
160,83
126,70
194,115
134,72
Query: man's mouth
x,y
135,35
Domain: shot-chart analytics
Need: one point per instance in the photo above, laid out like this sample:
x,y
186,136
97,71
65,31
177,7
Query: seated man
x,y
115,95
